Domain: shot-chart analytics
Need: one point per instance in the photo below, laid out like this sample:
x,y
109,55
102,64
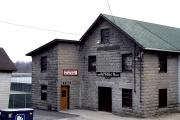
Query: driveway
x,y
94,115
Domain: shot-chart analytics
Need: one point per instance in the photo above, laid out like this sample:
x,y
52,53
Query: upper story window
x,y
127,63
105,36
92,63
162,63
43,63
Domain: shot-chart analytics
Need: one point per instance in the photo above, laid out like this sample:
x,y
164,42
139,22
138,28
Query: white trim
x,y
155,49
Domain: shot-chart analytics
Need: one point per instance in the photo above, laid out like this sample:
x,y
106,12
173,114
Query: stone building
x,y
119,65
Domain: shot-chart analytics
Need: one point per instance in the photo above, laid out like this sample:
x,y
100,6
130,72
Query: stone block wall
x,y
69,58
153,80
109,59
49,78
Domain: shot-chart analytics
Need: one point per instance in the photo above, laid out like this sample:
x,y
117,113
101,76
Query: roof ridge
x,y
154,34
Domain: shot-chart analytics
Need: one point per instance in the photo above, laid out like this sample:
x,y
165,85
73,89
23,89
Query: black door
x,y
105,99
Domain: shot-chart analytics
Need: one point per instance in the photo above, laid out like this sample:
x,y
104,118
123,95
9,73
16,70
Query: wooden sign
x,y
108,74
70,72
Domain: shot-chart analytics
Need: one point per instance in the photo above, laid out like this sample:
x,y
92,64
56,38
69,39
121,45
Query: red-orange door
x,y
64,97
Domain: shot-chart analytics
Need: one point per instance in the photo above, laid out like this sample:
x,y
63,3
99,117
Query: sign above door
x,y
70,72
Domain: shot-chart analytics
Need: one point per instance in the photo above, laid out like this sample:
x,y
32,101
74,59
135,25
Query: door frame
x,y
68,88
99,98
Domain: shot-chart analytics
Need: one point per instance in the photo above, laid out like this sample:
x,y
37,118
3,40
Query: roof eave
x,y
154,49
102,16
51,43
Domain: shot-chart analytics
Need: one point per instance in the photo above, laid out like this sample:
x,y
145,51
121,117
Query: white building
x,y
6,69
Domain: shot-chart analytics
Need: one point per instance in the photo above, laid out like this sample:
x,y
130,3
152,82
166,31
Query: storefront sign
x,y
70,72
108,74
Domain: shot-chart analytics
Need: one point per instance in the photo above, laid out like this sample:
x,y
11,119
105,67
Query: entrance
x,y
105,99
64,97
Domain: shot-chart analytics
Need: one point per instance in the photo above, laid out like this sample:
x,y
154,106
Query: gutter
x,y
154,49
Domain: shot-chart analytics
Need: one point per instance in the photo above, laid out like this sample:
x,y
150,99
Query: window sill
x,y
43,71
162,72
127,72
127,108
91,71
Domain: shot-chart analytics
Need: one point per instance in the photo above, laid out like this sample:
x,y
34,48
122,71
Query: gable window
x,y
127,98
43,63
105,36
127,62
162,98
162,63
43,92
92,63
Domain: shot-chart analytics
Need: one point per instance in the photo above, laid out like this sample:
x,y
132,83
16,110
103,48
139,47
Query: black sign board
x,y
108,74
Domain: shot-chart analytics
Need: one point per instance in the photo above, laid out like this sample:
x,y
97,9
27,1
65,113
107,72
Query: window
x,y
162,98
127,63
43,63
162,63
105,35
43,92
127,98
63,93
92,63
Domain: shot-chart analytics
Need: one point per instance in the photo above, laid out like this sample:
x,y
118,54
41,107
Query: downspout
x,y
140,75
134,68
178,78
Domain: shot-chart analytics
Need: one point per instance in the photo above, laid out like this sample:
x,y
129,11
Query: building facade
x,y
6,69
119,65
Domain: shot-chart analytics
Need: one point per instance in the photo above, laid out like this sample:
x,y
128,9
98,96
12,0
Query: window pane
x,y
127,62
92,63
162,63
105,35
43,92
44,63
162,98
127,98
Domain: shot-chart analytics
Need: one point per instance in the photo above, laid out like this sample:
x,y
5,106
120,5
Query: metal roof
x,y
150,36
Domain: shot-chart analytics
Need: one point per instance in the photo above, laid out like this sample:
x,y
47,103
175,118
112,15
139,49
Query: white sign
x,y
70,72
20,117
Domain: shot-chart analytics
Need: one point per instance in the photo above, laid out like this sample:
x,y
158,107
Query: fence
x,y
20,101
20,96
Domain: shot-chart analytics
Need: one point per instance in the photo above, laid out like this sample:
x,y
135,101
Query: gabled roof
x,y
49,45
6,65
149,36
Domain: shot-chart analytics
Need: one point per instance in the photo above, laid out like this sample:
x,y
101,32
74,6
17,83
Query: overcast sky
x,y
72,16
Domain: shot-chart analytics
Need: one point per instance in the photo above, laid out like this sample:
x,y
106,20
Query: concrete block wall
x,y
48,78
109,61
69,58
153,80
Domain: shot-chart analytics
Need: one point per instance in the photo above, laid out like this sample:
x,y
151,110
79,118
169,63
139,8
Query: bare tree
x,y
23,67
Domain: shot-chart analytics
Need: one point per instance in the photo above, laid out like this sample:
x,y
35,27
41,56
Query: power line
x,y
38,28
110,10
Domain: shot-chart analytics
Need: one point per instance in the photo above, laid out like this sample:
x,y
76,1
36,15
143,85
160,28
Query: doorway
x,y
64,97
105,99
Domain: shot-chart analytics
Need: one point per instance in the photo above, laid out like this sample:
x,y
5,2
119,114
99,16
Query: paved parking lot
x,y
94,115
47,115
